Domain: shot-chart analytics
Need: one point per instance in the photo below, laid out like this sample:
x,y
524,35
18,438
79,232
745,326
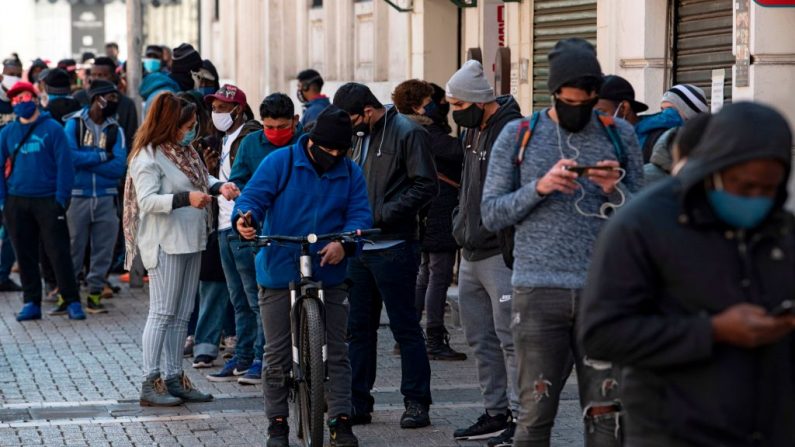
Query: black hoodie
x,y
477,242
663,266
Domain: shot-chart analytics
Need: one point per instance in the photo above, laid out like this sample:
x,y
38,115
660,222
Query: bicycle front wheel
x,y
311,393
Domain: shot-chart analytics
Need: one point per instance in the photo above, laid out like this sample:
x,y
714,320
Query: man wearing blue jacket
x,y
310,84
309,187
34,193
99,157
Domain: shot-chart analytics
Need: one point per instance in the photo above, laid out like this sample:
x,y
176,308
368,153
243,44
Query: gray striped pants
x,y
172,291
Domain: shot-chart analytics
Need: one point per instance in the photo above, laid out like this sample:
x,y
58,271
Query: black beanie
x,y
354,97
572,59
185,59
57,82
100,87
332,129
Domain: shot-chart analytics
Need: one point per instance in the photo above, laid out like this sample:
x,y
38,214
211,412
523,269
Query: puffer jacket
x,y
663,266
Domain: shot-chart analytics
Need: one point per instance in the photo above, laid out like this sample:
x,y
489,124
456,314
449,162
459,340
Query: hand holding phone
x,y
582,170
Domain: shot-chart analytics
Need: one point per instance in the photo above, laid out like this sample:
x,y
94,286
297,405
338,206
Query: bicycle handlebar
x,y
312,238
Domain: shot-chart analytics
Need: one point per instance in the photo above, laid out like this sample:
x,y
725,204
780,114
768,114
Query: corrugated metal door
x,y
702,43
554,20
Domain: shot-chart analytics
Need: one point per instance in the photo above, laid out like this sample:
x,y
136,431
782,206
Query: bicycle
x,y
308,334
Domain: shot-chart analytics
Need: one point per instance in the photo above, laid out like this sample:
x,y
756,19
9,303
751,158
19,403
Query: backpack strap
x,y
283,186
609,125
523,134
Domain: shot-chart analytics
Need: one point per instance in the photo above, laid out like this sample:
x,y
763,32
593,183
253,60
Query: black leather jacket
x,y
400,174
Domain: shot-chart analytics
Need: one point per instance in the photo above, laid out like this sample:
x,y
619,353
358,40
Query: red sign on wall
x,y
775,2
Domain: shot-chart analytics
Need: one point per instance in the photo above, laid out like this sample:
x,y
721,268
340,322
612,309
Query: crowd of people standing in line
x,y
672,312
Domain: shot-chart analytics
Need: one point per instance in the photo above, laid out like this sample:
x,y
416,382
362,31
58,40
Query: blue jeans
x,y
214,298
241,279
7,256
387,276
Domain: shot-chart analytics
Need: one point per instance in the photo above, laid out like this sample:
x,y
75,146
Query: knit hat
x,y
688,99
100,87
616,88
469,84
57,81
572,59
154,52
332,129
354,97
69,65
185,59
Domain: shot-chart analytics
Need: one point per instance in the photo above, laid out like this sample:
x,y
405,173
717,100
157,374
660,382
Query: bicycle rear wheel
x,y
311,393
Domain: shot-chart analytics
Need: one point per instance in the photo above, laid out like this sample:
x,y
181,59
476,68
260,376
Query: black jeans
x,y
387,276
436,274
30,219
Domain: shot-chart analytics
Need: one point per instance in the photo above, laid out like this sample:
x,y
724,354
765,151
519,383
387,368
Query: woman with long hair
x,y
166,221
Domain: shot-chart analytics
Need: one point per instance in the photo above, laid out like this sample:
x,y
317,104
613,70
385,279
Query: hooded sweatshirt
x,y
478,242
664,266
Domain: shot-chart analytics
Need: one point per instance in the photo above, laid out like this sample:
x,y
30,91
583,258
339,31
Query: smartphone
x,y
785,308
581,170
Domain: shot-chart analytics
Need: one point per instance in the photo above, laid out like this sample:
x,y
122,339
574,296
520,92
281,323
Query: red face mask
x,y
279,137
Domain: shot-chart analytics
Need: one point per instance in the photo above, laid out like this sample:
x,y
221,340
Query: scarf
x,y
189,163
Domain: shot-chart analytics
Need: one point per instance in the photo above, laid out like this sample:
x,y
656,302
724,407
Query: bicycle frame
x,y
307,288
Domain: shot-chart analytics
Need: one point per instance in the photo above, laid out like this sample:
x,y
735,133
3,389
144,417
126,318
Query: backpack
x,y
523,135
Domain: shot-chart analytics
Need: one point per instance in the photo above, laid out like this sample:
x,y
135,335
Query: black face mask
x,y
110,109
323,161
362,127
574,118
469,117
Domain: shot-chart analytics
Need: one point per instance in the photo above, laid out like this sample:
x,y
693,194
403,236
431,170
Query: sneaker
x,y
505,439
75,311
486,427
278,433
203,361
187,351
107,292
52,293
60,307
10,286
93,304
230,372
254,374
415,416
340,433
30,311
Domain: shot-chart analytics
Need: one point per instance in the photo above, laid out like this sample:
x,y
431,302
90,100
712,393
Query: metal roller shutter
x,y
702,43
554,20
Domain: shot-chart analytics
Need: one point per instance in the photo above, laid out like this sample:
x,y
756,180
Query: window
x,y
317,3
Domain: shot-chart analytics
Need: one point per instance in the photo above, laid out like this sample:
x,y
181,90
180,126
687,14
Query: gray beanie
x,y
688,99
469,84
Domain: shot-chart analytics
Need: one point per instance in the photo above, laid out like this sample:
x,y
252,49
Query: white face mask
x,y
9,81
222,121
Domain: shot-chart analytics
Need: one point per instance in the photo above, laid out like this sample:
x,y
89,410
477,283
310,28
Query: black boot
x,y
438,346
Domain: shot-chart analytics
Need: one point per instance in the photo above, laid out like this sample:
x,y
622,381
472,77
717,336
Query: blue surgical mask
x,y
151,65
25,109
739,211
206,91
189,137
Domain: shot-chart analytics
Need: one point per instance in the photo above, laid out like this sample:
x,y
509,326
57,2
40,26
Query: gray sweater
x,y
553,242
